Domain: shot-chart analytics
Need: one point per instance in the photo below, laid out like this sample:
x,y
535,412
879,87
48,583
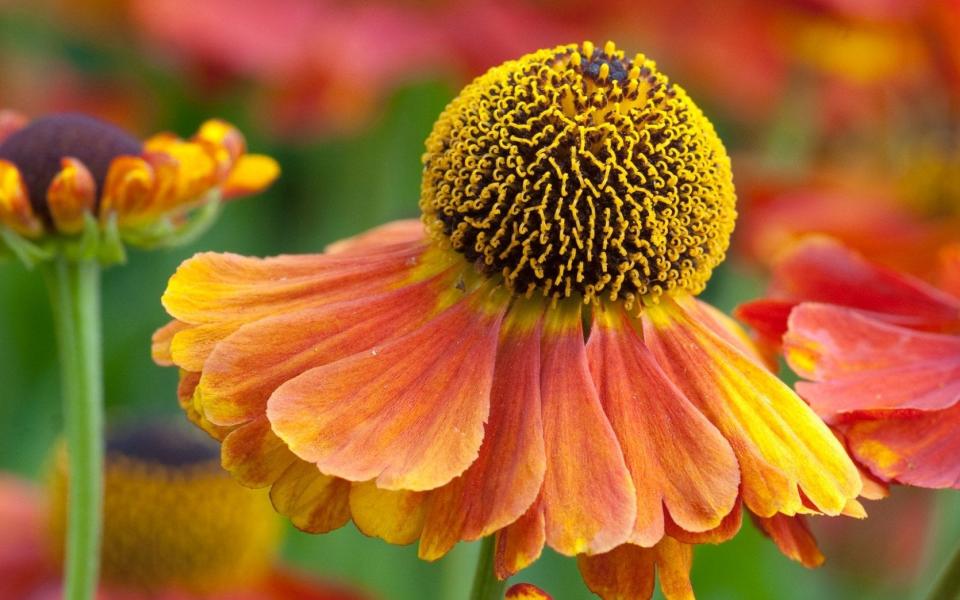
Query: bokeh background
x,y
842,117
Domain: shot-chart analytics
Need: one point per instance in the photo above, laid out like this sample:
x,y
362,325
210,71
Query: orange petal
x,y
395,516
15,210
866,364
389,234
71,195
185,390
778,440
214,288
161,341
792,535
627,572
314,502
507,476
254,455
520,543
678,460
768,318
248,365
919,450
409,413
129,188
822,270
251,174
728,527
526,591
589,500
191,346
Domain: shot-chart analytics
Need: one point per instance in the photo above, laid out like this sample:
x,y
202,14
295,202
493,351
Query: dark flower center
x,y
38,148
161,443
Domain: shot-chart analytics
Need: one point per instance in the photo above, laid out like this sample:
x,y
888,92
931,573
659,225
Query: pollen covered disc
x,y
578,171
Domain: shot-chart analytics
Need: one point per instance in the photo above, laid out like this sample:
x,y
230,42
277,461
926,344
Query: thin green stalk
x,y
486,586
947,586
75,296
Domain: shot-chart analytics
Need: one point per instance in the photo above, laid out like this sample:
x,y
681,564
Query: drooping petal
x,y
793,537
15,209
822,270
248,365
590,503
214,288
724,532
919,450
162,340
507,476
409,413
250,174
526,591
628,572
767,317
861,363
520,543
254,455
71,196
778,440
394,232
395,516
314,502
677,459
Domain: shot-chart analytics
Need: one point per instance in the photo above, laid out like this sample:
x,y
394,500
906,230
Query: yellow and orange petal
x,y
785,452
881,356
526,591
630,571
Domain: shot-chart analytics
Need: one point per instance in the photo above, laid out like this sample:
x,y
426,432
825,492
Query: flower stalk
x,y
486,586
75,296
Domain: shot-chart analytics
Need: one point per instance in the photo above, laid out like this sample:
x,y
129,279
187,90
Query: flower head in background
x,y
74,184
880,353
176,527
530,359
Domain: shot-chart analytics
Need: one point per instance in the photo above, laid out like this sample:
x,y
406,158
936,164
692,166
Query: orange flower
x,y
881,353
530,360
73,184
169,509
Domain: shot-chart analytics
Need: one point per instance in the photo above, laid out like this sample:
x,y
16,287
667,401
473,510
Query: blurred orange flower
x,y
176,528
881,355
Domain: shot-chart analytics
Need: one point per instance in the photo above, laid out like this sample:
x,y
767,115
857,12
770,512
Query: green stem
x,y
75,296
947,586
486,586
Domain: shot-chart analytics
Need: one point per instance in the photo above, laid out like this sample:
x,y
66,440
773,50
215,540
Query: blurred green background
x,y
336,184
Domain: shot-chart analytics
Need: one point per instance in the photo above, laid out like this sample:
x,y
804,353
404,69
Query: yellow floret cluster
x,y
578,172
188,527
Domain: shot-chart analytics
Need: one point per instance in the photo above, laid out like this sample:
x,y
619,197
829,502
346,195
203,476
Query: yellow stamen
x,y
574,173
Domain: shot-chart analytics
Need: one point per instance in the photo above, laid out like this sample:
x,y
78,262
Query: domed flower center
x,y
172,517
38,148
579,172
